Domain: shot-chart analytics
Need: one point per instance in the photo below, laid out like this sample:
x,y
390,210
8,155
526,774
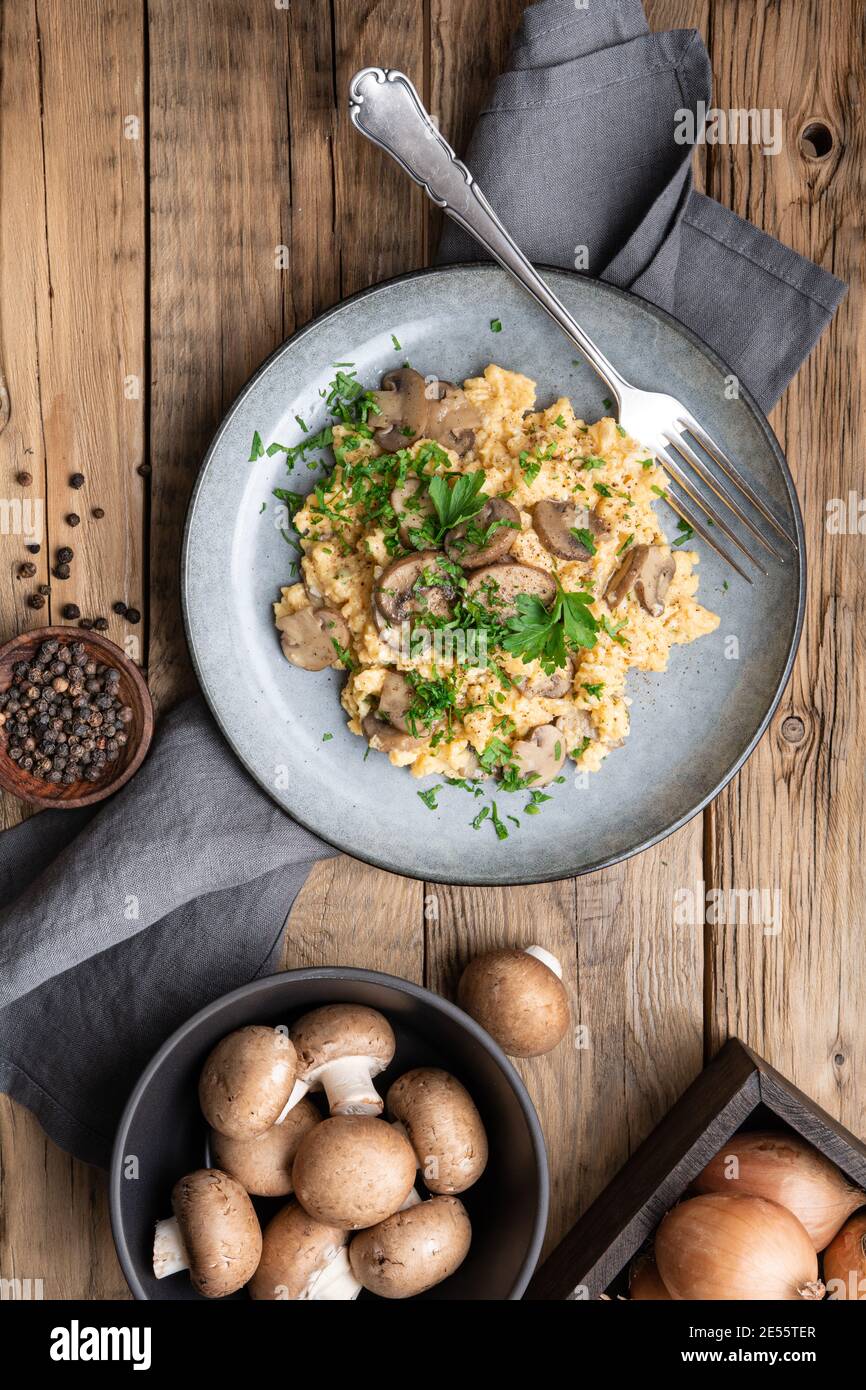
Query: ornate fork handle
x,y
384,106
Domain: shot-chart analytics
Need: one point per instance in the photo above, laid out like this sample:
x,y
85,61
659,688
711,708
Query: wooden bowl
x,y
131,690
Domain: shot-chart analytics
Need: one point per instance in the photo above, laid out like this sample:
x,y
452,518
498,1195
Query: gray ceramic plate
x,y
692,727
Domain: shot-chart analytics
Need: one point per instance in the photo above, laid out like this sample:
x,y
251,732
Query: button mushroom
x,y
556,522
412,408
214,1233
486,538
303,1260
413,1250
414,584
313,637
648,570
496,587
246,1081
539,758
395,700
353,1171
518,997
340,1048
412,504
443,1126
386,739
263,1165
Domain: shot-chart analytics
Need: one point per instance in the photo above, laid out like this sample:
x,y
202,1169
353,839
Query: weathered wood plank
x,y
792,822
72,284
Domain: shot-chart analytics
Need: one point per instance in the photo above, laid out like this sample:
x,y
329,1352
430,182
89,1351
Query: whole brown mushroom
x,y
247,1080
412,1250
353,1171
443,1126
214,1233
518,997
263,1164
340,1048
303,1261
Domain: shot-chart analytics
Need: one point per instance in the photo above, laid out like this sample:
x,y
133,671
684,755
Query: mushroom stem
x,y
349,1087
334,1281
547,958
299,1090
169,1252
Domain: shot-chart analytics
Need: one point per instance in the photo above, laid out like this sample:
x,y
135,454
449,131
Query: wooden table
x,y
160,161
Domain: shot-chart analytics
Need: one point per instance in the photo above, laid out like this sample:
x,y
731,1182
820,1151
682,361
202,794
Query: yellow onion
x,y
785,1169
644,1280
845,1261
722,1247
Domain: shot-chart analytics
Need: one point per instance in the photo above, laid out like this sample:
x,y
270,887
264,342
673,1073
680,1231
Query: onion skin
x,y
845,1261
645,1282
721,1247
783,1168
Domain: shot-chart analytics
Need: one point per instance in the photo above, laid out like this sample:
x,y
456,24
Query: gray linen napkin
x,y
117,924
576,148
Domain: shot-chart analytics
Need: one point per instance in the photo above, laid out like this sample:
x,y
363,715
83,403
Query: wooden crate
x,y
738,1089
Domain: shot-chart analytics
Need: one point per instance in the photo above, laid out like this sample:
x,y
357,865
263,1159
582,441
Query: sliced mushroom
x,y
497,587
542,686
414,584
311,636
413,504
648,570
555,523
488,537
541,755
395,699
411,408
575,725
386,739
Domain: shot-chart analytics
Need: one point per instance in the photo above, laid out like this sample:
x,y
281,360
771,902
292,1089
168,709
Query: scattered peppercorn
x,y
133,615
101,624
34,548
36,601
120,607
65,554
58,726
86,623
74,519
25,479
44,589
98,513
61,571
77,480
71,610
145,470
27,570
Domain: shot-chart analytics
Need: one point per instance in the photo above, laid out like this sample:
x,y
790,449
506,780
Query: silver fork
x,y
385,107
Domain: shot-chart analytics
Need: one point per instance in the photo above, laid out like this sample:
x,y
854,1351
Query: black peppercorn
x,y
98,513
61,571
119,607
45,589
77,480
133,615
86,623
36,601
74,519
144,470
27,570
101,624
71,611
65,554
25,478
34,548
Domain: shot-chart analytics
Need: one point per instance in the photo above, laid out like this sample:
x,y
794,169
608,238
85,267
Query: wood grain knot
x,y
816,140
793,729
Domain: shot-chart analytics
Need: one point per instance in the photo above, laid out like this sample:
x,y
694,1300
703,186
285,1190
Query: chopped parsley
x,y
398,346
626,543
686,532
256,449
607,403
429,797
495,325
585,536
602,489
594,689
326,738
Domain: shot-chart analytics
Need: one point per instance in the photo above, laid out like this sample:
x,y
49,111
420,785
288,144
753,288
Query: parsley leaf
x,y
256,449
538,634
585,536
429,797
460,502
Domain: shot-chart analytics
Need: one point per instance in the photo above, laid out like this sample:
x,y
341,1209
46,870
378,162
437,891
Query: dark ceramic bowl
x,y
163,1129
